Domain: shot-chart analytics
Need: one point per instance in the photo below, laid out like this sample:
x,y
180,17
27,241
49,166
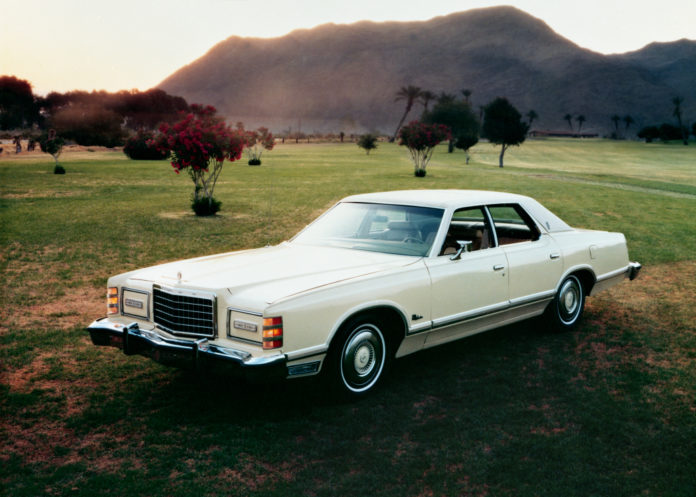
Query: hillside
x,y
344,77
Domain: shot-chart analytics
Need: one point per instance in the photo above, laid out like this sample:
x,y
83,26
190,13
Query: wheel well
x,y
587,279
390,320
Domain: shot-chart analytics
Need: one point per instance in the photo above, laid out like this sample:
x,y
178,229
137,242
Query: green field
x,y
607,410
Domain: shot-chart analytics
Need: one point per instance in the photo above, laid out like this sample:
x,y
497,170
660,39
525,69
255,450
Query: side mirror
x,y
464,246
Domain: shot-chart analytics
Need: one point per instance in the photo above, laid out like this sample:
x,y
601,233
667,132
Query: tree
x,y
426,97
531,115
467,93
367,142
677,101
580,119
628,120
51,143
502,125
569,118
460,119
421,140
199,144
257,142
89,125
616,119
410,94
18,108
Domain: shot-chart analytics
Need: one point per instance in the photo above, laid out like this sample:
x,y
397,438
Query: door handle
x,y
498,267
554,255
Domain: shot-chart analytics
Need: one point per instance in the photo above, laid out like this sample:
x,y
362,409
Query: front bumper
x,y
183,353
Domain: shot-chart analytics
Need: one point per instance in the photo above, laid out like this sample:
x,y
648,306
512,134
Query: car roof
x,y
438,198
456,199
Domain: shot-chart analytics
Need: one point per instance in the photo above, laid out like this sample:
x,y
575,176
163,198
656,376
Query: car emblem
x,y
178,276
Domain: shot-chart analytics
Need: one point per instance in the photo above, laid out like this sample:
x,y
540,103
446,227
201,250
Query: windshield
x,y
391,229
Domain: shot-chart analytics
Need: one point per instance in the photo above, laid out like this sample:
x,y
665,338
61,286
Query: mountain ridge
x,y
344,77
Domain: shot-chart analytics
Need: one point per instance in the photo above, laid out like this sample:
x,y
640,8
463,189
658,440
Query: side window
x,y
513,224
469,225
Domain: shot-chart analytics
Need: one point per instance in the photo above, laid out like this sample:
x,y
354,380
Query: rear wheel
x,y
567,306
358,357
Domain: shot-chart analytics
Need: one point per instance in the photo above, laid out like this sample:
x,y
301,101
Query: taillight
x,y
272,333
112,300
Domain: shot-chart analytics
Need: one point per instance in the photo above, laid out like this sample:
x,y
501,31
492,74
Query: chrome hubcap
x,y
570,301
362,358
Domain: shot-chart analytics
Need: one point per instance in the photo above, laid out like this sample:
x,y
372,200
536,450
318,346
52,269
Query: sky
x,y
62,45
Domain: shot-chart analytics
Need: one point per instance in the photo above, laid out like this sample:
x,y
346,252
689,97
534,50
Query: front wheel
x,y
566,309
359,357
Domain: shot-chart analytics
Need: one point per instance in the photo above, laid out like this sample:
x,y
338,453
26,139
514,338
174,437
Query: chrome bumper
x,y
183,353
633,270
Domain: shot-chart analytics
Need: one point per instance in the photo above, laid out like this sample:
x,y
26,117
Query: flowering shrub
x,y
199,144
257,142
421,140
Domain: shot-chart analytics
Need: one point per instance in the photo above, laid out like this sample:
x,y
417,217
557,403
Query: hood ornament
x,y
178,276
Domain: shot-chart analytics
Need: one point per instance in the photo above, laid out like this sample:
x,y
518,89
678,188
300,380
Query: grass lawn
x,y
607,410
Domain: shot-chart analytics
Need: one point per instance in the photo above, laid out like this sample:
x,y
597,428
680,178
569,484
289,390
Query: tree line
x,y
87,118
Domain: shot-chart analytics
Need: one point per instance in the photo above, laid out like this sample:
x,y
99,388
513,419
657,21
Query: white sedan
x,y
377,277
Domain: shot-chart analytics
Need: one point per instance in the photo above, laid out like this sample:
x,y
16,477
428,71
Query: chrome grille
x,y
182,312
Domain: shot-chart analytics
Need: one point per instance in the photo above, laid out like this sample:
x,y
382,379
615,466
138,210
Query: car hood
x,y
272,273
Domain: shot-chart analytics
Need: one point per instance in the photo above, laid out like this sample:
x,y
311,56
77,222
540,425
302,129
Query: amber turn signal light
x,y
272,333
112,300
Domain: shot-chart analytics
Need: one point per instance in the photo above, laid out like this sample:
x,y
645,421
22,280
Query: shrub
x,y
257,142
421,140
204,206
649,133
199,145
367,142
141,147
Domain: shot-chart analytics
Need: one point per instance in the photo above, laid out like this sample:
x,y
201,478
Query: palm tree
x,y
467,93
677,101
425,97
580,119
628,120
569,118
615,119
410,94
531,115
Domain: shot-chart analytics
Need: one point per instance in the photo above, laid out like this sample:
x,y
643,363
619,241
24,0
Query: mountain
x,y
345,77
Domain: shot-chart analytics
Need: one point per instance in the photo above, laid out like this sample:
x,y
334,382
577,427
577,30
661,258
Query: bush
x,y
367,142
58,169
140,147
649,133
421,139
204,206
